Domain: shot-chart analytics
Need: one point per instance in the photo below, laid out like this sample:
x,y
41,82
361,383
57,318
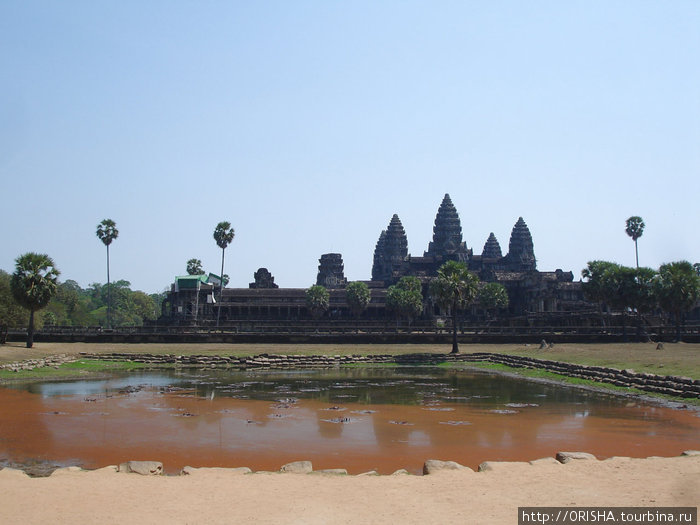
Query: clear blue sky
x,y
308,124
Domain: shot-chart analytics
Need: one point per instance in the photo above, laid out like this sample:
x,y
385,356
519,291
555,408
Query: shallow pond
x,y
354,418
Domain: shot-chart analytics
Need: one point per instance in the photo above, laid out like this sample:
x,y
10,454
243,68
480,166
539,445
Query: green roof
x,y
190,281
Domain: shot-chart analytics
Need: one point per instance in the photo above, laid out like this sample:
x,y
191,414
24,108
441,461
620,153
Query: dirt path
x,y
218,496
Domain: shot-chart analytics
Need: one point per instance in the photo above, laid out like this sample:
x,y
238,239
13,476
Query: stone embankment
x,y
431,466
52,360
661,384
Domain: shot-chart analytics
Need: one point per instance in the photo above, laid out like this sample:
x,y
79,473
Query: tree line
x,y
454,288
671,291
71,305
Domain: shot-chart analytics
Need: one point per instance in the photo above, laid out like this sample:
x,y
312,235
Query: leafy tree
x,y
634,227
598,286
223,235
410,284
12,315
678,290
493,296
644,299
50,319
107,232
317,300
194,267
697,268
33,284
620,288
454,287
405,298
612,285
358,296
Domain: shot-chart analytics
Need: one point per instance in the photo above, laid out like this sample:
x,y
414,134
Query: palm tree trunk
x,y
109,295
30,330
455,346
221,288
636,253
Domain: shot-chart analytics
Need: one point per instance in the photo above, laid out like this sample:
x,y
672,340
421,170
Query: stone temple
x,y
531,293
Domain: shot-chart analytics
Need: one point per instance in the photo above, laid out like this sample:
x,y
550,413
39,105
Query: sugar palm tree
x,y
107,232
634,227
194,267
223,235
33,284
358,296
317,300
455,287
678,290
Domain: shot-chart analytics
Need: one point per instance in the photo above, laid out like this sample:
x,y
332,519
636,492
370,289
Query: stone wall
x,y
349,337
669,385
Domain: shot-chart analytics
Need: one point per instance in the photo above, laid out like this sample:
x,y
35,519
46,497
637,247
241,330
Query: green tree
x,y
317,300
107,232
194,267
598,286
454,287
357,295
12,315
33,284
615,286
492,297
634,227
405,298
50,319
644,299
678,290
223,235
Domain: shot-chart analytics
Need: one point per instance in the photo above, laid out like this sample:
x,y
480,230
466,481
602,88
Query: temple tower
x,y
378,263
396,243
263,279
391,252
521,251
331,271
492,250
447,234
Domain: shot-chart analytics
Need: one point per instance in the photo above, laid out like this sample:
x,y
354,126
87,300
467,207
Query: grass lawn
x,y
675,359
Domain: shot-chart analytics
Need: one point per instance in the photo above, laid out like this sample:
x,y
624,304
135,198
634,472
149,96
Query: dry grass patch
x,y
675,359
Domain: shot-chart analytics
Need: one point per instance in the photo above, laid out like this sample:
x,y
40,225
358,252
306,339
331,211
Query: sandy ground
x,y
219,496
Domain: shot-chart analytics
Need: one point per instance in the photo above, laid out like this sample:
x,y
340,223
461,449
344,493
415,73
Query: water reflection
x,y
359,419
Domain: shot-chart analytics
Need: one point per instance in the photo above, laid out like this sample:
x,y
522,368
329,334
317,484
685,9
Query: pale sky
x,y
307,125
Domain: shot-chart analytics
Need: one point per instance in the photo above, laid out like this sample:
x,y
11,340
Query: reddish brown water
x,y
180,428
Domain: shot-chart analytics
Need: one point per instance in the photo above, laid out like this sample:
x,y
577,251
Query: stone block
x,y
297,467
145,468
565,457
433,466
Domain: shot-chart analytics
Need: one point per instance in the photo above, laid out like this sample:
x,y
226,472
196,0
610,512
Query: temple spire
x,y
391,252
521,250
492,250
378,261
447,233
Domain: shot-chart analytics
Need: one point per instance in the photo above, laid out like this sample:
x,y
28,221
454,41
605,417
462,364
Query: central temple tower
x,y
447,234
